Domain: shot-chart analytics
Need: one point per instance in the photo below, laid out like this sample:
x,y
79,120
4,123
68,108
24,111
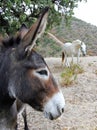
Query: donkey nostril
x,y
62,110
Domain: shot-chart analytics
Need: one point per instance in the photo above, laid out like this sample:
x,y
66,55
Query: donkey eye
x,y
42,72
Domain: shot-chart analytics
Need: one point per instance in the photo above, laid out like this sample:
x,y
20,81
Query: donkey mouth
x,y
51,117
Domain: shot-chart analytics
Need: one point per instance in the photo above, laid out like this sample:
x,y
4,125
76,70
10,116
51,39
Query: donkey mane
x,y
11,42
6,46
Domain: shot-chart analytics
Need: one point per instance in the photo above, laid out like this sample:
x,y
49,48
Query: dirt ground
x,y
81,100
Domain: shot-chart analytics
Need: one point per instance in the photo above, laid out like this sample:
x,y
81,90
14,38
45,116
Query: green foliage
x,y
69,75
15,12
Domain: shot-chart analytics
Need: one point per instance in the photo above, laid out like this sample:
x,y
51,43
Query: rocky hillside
x,y
78,29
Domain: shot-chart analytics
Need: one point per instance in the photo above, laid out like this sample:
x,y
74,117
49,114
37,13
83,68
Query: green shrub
x,y
69,75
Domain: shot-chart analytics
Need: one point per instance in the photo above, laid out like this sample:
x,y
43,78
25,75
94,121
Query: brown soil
x,y
81,100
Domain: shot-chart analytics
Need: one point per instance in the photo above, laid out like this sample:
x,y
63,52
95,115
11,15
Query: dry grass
x,y
69,75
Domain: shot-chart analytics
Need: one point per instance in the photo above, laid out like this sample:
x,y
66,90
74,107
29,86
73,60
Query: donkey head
x,y
30,78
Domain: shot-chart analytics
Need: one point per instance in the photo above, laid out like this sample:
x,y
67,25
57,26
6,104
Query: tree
x,y
15,12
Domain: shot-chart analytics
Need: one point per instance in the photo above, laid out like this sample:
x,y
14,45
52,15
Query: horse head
x,y
80,45
83,48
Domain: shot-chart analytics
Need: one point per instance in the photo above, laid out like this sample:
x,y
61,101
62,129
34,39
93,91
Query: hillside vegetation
x,y
78,29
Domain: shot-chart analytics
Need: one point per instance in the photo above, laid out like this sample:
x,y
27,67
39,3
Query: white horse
x,y
70,49
73,49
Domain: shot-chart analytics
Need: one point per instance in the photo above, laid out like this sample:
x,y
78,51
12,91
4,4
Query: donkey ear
x,y
22,31
35,31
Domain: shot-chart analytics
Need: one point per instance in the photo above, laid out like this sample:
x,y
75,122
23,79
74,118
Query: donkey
x,y
25,77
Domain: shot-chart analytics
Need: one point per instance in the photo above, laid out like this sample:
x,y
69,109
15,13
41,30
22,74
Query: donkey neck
x,y
5,99
8,118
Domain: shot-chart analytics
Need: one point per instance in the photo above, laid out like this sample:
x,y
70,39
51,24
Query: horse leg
x,y
72,59
67,62
78,57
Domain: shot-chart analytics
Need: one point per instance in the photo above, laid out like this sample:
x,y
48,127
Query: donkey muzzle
x,y
54,108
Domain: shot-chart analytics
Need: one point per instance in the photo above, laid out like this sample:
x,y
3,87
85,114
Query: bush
x,y
69,75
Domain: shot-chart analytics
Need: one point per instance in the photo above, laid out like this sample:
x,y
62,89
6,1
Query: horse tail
x,y
63,56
